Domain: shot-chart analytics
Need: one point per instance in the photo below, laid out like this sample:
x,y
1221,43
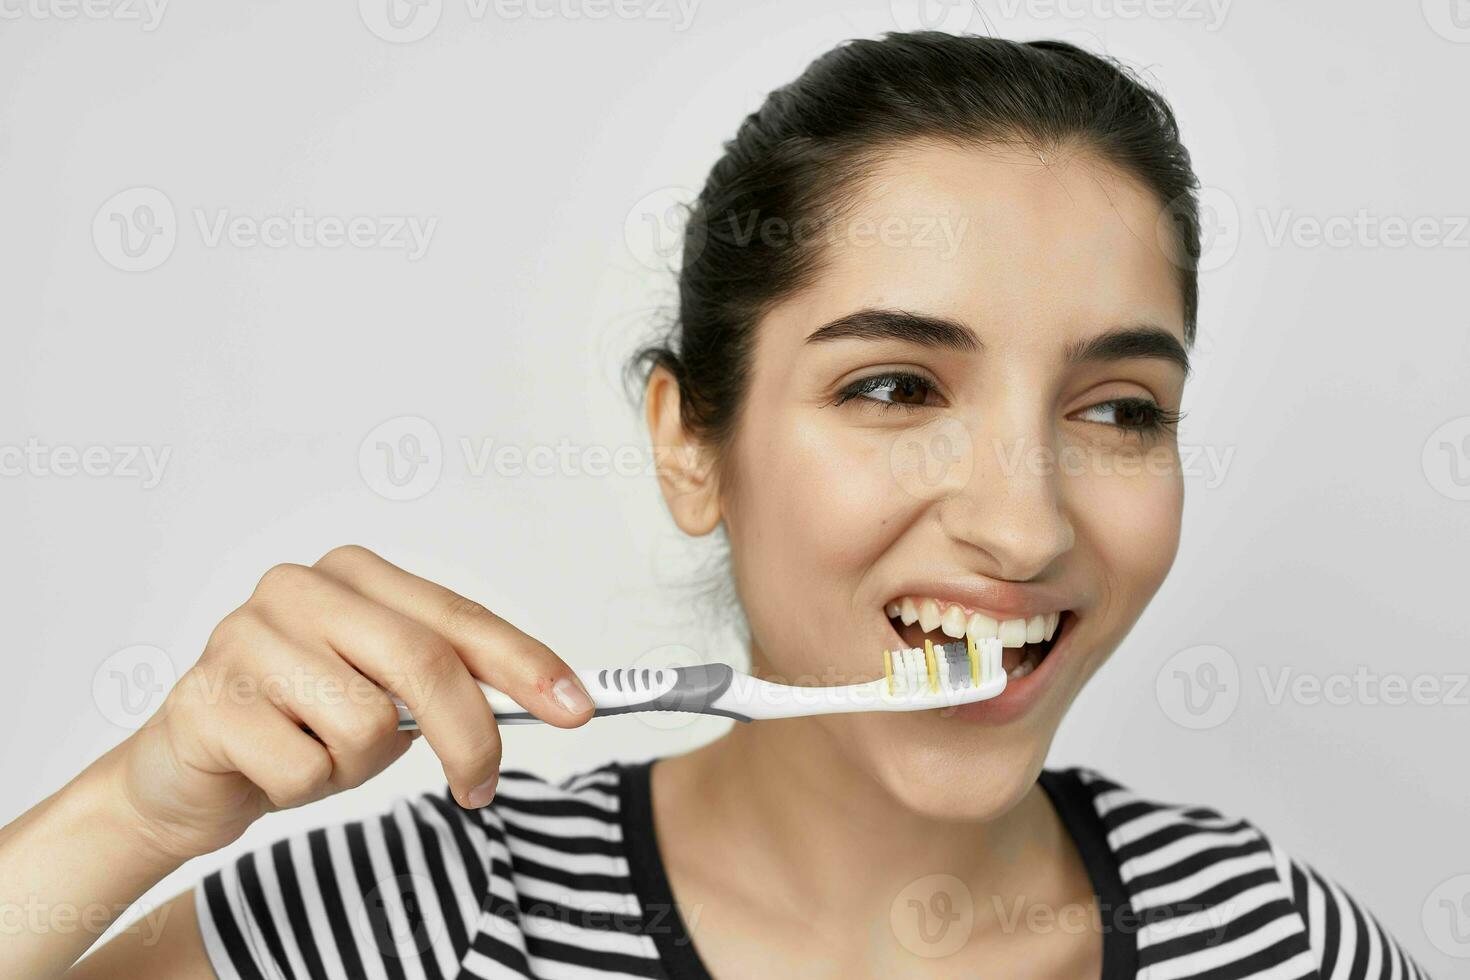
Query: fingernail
x,y
570,695
482,794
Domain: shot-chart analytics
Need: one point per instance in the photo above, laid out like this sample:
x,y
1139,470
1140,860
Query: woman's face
x,y
990,456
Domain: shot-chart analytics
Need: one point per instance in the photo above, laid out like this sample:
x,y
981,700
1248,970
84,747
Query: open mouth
x,y
1025,641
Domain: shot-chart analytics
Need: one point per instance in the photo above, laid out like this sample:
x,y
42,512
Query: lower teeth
x,y
1026,666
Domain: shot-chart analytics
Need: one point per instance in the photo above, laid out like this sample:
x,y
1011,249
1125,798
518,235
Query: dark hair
x,y
808,145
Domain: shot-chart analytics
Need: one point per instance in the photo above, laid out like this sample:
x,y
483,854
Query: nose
x,y
1012,508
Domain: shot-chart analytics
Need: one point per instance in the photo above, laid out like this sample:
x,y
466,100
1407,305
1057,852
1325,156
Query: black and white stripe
x,y
535,885
565,882
1214,899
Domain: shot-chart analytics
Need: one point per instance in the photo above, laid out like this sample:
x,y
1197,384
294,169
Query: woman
x,y
936,305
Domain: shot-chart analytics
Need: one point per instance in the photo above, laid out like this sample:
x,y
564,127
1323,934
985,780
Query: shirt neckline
x,y
664,924
662,920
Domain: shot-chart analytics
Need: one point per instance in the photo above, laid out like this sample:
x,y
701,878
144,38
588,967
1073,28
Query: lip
x,y
1021,694
1000,600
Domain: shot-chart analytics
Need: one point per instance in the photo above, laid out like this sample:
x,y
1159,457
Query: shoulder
x,y
536,878
1205,889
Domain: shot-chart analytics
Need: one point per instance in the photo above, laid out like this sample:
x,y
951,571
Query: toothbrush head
x,y
952,672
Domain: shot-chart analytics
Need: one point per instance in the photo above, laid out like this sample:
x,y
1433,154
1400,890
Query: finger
x,y
496,651
265,746
352,717
409,659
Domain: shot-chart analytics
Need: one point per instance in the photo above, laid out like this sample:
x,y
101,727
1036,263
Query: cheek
x,y
815,505
1130,511
821,493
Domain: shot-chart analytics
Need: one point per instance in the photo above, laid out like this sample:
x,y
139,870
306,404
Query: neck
x,y
780,795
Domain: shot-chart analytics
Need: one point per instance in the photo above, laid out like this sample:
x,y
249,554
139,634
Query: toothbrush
x,y
914,679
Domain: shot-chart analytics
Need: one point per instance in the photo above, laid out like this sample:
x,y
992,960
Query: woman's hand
x,y
315,648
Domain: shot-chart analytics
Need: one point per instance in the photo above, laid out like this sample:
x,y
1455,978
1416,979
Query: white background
x,y
1329,534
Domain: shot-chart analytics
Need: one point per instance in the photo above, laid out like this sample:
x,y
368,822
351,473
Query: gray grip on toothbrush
x,y
695,689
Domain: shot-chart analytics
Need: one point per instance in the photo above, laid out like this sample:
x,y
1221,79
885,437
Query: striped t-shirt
x,y
565,881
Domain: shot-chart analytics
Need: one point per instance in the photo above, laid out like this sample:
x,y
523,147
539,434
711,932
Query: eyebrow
x,y
1141,340
913,328
1124,343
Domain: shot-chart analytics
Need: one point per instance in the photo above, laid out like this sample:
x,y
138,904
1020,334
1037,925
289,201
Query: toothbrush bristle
x,y
957,666
958,662
933,669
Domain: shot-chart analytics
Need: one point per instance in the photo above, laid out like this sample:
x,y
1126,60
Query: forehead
x,y
1027,249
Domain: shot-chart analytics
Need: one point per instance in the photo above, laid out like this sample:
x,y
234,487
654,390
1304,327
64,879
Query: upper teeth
x,y
957,621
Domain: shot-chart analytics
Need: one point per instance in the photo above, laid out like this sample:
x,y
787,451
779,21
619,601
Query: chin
x,y
944,771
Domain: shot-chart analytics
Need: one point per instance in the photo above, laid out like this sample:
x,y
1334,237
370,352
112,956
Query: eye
x,y
1141,415
892,389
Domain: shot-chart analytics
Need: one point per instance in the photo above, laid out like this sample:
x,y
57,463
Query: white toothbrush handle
x,y
620,690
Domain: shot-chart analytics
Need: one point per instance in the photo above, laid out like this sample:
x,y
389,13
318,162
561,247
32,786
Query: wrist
x,y
113,814
77,853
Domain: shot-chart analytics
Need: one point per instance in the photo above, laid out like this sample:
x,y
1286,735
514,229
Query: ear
x,y
684,465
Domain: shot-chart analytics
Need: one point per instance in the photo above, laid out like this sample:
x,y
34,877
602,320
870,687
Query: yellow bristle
x,y
888,669
929,660
974,659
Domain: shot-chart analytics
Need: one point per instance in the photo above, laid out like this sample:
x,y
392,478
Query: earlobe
x,y
685,467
